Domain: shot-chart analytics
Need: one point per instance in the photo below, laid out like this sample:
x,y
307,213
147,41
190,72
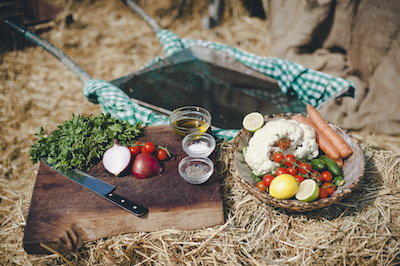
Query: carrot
x,y
339,162
341,145
324,144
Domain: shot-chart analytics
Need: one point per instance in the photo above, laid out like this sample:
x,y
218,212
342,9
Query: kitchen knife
x,y
101,188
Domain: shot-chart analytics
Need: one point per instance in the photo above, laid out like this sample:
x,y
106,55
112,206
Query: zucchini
x,y
331,165
318,164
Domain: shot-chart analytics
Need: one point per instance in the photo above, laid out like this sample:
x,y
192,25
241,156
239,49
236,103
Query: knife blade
x,y
99,187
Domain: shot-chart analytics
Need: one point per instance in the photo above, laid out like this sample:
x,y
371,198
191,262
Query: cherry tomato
x,y
283,143
299,178
135,150
326,176
304,167
330,188
290,160
323,193
316,175
260,185
278,157
293,171
162,155
149,147
281,171
267,180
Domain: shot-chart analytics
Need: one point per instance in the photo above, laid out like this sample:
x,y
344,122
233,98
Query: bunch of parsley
x,y
81,141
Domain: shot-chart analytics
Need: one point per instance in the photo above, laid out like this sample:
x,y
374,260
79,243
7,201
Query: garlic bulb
x,y
116,159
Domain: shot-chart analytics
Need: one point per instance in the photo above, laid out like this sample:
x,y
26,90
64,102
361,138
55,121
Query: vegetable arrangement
x,y
145,159
298,139
82,141
307,178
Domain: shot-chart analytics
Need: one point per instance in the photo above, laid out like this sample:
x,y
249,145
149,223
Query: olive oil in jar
x,y
191,124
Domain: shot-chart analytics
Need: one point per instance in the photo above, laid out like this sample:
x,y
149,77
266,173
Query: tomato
x,y
281,171
162,155
267,180
316,175
323,193
293,171
135,150
260,185
330,188
304,167
299,178
283,143
290,160
278,157
326,176
149,147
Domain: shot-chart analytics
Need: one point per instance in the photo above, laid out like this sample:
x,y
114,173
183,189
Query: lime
x,y
308,191
253,121
283,186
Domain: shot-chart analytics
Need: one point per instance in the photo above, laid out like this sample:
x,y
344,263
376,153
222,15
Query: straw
x,y
109,41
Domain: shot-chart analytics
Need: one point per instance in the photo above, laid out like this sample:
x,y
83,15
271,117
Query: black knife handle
x,y
126,204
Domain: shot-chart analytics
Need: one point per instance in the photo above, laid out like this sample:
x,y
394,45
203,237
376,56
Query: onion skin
x,y
117,159
145,165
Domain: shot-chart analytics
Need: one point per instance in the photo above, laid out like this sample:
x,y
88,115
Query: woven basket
x,y
353,171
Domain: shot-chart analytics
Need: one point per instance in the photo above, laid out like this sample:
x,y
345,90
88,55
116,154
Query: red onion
x,y
116,159
145,165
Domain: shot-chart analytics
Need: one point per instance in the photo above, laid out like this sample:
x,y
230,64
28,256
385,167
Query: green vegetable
x,y
81,141
256,177
338,181
318,164
244,151
332,166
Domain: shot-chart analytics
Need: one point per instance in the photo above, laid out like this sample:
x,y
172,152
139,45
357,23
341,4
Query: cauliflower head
x,y
264,142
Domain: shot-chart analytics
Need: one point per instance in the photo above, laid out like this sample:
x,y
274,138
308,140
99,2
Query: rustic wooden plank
x,y
64,215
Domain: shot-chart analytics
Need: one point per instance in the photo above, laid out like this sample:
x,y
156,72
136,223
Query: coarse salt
x,y
198,147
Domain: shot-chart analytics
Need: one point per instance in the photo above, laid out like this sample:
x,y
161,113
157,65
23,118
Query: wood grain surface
x,y
63,215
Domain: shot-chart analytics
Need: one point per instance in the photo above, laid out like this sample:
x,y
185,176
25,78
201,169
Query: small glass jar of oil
x,y
189,119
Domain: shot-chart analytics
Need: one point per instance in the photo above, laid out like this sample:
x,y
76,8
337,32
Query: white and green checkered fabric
x,y
312,87
116,102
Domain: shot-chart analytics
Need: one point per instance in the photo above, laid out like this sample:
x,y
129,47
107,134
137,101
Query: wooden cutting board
x,y
63,215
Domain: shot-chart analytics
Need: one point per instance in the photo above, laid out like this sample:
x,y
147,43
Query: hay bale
x,y
109,41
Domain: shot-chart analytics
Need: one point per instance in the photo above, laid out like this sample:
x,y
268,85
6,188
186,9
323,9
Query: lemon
x,y
253,121
308,191
283,186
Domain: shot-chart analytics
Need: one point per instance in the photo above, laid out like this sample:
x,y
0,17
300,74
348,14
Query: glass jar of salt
x,y
199,147
198,144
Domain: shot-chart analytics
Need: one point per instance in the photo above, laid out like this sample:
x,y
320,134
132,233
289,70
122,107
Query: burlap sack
x,y
356,40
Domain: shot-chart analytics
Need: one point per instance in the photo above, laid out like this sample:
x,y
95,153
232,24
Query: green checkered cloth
x,y
116,102
312,87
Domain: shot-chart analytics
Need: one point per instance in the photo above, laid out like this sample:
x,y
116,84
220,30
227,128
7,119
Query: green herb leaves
x,y
81,141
